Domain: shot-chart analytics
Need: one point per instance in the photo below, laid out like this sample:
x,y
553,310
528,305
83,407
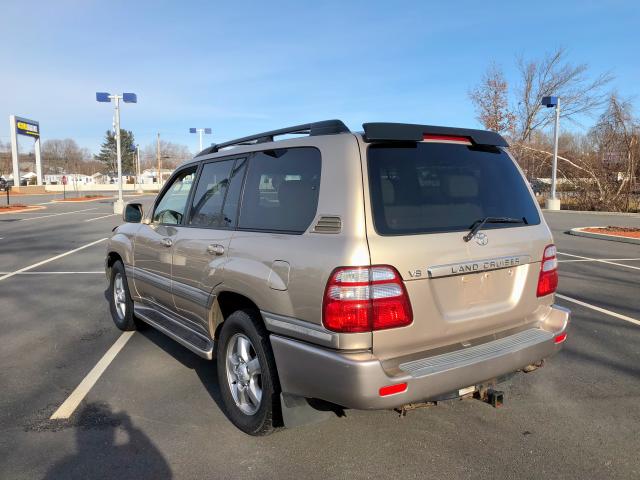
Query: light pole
x,y
118,205
200,131
553,203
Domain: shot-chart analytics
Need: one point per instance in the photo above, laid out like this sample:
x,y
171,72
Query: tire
x,y
120,302
236,374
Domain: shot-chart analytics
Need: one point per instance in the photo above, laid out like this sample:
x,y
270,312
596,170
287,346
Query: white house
x,y
150,175
73,179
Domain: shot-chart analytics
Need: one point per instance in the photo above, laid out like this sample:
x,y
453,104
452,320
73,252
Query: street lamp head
x,y
207,131
192,130
549,102
102,97
129,98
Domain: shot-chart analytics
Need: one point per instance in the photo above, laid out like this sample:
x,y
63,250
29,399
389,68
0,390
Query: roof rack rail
x,y
325,127
374,132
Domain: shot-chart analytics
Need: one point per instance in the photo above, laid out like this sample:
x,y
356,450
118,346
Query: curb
x,y
590,212
28,208
579,232
82,201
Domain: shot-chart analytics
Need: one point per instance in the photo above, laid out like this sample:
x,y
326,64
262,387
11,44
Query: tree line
x,y
66,156
599,163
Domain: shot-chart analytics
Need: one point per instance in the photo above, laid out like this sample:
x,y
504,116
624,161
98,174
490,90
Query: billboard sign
x,y
27,127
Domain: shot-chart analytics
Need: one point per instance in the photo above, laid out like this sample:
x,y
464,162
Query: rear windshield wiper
x,y
478,224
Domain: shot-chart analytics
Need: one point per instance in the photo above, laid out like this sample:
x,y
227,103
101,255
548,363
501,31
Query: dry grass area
x,y
629,232
18,207
86,198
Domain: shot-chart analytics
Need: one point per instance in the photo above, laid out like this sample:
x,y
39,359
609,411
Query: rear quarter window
x,y
438,187
281,190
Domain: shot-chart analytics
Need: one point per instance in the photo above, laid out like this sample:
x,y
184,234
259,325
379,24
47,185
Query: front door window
x,y
172,206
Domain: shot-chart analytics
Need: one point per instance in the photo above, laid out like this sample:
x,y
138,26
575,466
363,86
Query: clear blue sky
x,y
241,67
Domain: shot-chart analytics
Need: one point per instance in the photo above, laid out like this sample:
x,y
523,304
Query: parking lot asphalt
x,y
155,412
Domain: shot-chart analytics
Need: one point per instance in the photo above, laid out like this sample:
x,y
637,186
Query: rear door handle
x,y
215,249
167,242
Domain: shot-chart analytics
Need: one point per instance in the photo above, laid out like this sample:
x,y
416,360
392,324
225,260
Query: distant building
x,y
72,179
150,175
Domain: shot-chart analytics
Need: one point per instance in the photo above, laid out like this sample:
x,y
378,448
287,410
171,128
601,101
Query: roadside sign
x,y
27,127
64,180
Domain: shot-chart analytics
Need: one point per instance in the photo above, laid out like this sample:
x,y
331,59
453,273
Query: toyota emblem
x,y
481,238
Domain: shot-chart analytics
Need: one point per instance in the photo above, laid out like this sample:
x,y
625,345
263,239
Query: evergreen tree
x,y
108,157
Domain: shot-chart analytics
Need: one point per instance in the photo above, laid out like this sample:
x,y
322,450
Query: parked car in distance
x,y
369,270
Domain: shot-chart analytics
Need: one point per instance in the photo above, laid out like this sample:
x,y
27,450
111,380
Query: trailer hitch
x,y
489,395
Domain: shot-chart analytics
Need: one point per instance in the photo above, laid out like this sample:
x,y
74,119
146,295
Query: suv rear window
x,y
438,187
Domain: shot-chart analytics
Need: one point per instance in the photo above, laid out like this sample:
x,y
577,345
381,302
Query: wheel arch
x,y
227,302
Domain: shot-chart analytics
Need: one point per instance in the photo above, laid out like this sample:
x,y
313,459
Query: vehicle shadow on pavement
x,y
109,445
205,369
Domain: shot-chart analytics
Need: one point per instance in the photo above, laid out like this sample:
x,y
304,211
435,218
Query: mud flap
x,y
297,411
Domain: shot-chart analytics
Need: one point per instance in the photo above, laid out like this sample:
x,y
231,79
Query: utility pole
x,y
159,160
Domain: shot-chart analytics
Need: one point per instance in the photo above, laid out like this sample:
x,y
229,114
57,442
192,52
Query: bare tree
x,y
5,159
64,156
602,167
616,138
172,155
553,75
491,101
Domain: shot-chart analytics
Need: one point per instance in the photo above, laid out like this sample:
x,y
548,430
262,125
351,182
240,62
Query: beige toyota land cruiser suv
x,y
387,268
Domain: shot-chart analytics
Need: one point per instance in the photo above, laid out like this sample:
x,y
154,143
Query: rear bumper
x,y
353,380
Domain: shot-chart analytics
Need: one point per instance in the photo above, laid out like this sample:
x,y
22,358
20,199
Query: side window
x,y
208,199
171,207
281,190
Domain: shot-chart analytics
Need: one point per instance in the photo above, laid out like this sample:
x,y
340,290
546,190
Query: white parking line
x,y
98,218
599,309
71,403
58,214
51,273
599,260
31,267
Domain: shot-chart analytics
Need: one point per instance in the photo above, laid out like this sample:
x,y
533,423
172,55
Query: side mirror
x,y
132,213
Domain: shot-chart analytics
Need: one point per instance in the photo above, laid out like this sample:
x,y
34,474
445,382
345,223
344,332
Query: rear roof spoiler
x,y
410,132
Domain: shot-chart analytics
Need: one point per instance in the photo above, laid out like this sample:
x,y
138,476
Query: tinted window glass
x,y
281,190
206,210
437,187
171,207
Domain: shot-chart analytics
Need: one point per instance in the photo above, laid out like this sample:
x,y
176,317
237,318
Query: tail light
x,y
363,299
548,279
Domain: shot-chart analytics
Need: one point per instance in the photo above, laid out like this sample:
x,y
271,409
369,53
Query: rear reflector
x,y
548,279
560,338
393,389
446,139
